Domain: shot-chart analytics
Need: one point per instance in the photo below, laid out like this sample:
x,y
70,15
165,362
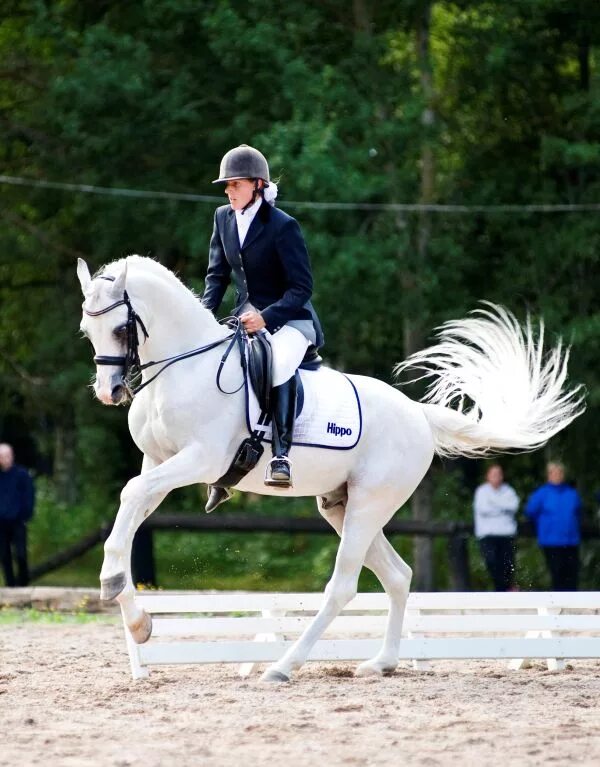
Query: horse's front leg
x,y
139,498
137,620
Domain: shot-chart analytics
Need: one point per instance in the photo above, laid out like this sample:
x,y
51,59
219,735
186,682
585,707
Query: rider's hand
x,y
252,321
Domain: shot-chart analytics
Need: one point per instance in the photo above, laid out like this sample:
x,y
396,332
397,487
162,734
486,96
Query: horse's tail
x,y
493,389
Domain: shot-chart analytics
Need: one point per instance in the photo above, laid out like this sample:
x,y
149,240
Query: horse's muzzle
x,y
119,393
112,390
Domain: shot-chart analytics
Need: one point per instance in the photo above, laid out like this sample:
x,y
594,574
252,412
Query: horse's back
x,y
391,420
381,411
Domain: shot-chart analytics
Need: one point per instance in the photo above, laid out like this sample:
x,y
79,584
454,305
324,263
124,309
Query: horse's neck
x,y
176,321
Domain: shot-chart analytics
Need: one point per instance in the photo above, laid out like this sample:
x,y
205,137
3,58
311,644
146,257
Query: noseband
x,y
132,369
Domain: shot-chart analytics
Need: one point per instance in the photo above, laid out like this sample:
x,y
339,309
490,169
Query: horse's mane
x,y
144,263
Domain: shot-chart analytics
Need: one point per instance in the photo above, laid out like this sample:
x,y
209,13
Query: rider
x,y
264,249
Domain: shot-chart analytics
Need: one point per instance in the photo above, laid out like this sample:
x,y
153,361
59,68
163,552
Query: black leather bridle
x,y
132,369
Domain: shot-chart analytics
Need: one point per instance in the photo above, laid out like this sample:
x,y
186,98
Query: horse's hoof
x,y
373,668
141,631
110,588
272,675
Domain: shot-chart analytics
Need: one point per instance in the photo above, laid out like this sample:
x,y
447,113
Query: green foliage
x,y
57,525
9,616
150,94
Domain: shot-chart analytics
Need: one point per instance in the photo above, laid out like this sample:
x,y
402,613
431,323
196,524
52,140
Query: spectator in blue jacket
x,y
16,509
555,510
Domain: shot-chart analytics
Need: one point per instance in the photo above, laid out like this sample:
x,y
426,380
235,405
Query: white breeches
x,y
289,347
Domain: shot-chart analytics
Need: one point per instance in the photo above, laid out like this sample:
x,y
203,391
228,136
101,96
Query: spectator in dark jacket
x,y
555,510
16,509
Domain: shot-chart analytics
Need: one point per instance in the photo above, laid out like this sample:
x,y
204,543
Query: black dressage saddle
x,y
260,358
257,357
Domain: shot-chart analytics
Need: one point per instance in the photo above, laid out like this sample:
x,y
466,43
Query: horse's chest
x,y
150,431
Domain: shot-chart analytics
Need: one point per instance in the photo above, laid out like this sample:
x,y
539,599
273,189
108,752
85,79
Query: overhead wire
x,y
306,204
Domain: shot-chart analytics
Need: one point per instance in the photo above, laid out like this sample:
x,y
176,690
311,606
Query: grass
x,y
300,562
10,616
224,561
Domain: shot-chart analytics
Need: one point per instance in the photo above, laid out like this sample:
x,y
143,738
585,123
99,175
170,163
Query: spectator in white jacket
x,y
495,505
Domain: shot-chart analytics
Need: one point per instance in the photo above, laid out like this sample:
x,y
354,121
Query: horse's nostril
x,y
117,393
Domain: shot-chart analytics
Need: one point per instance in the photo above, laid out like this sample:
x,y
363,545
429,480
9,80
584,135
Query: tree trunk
x,y
64,463
414,336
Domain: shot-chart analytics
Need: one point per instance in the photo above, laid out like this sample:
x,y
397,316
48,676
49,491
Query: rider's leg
x,y
216,496
289,347
283,413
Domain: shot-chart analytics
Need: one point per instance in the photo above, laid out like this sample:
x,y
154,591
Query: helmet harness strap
x,y
256,191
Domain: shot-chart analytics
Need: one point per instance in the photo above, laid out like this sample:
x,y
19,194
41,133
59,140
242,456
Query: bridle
x,y
132,369
131,359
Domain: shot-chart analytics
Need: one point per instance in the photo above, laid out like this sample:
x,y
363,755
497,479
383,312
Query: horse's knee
x,y
133,489
341,591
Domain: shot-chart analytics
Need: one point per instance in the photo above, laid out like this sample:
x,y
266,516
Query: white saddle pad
x,y
331,416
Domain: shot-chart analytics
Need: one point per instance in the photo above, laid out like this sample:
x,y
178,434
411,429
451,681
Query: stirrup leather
x,y
270,480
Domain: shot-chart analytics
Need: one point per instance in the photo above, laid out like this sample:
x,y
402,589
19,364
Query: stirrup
x,y
273,482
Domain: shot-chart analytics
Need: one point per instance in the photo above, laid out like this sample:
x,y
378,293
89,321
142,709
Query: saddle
x,y
257,357
260,357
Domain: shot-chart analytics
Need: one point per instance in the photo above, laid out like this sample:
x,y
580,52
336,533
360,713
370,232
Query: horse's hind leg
x,y
395,576
363,519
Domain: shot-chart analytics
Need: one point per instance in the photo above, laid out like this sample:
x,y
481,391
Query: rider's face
x,y
240,192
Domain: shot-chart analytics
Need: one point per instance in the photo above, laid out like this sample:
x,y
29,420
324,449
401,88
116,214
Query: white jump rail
x,y
248,628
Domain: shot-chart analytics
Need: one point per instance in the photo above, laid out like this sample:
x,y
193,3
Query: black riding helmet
x,y
244,161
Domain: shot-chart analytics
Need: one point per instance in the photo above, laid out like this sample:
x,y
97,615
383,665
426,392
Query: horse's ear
x,y
118,286
84,274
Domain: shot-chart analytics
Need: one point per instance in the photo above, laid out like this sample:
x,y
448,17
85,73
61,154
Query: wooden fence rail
x,y
457,534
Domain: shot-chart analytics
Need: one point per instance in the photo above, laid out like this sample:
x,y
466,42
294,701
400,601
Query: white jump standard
x,y
188,430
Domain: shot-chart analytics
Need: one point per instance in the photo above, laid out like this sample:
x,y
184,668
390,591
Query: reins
x,y
130,361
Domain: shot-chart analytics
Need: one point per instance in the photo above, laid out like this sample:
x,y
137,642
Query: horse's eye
x,y
120,332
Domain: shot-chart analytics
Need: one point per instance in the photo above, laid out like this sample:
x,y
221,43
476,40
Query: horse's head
x,y
111,325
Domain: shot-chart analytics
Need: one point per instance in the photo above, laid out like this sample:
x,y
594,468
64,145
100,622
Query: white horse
x,y
188,430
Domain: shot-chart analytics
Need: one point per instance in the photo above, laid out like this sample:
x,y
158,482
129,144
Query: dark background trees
x,y
473,104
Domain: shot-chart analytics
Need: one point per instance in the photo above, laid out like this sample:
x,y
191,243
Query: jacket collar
x,y
231,241
258,224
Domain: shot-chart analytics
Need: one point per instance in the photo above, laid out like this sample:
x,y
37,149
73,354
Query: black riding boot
x,y
283,412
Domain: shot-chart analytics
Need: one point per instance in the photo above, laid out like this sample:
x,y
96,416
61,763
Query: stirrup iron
x,y
270,480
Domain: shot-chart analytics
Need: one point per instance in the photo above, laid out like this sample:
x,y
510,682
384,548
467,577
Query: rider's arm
x,y
293,254
218,273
